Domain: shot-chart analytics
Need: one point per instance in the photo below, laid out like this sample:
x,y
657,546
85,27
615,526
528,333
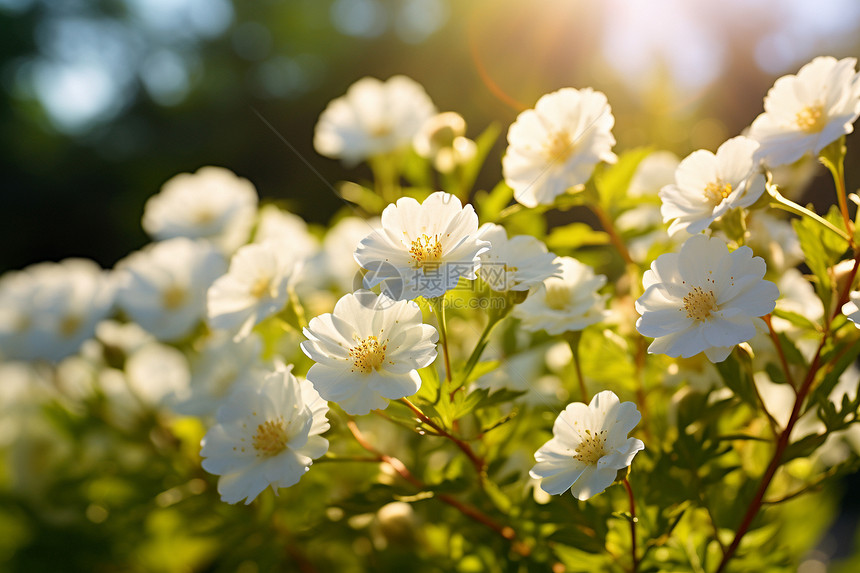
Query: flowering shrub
x,y
420,385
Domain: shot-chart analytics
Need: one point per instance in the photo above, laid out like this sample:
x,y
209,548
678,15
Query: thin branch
x,y
783,441
480,465
792,207
633,520
779,351
614,237
505,531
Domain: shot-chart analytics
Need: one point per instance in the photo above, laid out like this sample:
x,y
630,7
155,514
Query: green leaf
x,y
527,222
416,170
803,447
738,379
835,245
577,538
796,319
777,376
847,355
464,403
500,397
480,369
362,196
574,236
816,256
792,354
497,496
612,182
484,143
490,204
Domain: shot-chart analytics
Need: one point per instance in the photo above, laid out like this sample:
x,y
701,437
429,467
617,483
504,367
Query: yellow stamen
x,y
261,287
271,438
811,119
70,324
425,250
700,303
173,297
368,355
716,191
559,146
557,296
592,448
204,216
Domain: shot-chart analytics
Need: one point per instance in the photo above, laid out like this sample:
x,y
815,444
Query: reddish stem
x,y
480,465
782,444
505,531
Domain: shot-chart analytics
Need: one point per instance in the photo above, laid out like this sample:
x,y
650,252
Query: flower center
x,y
380,130
367,355
559,146
261,287
557,296
70,324
811,118
592,448
173,297
425,250
443,137
271,438
699,303
716,191
204,216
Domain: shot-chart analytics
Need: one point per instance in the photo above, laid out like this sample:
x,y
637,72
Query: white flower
x,y
796,294
265,436
336,262
652,173
220,367
808,111
373,118
565,303
254,288
291,230
775,239
518,263
707,186
212,203
703,299
588,447
157,373
163,287
851,309
47,310
556,145
423,248
442,139
368,350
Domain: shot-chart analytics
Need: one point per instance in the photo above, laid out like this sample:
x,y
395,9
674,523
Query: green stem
x,y
833,157
479,349
298,309
787,205
632,525
573,338
438,305
385,177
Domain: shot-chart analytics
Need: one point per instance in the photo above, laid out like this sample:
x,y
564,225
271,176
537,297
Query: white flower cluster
x,y
204,320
